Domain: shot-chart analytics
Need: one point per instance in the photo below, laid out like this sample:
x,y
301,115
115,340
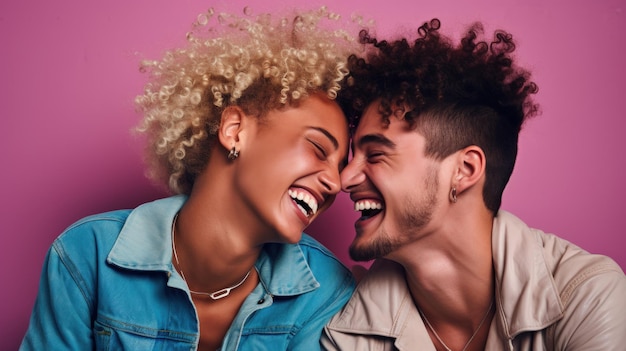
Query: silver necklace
x,y
468,341
220,294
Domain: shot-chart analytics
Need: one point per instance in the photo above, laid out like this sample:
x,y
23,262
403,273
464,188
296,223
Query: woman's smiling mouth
x,y
305,202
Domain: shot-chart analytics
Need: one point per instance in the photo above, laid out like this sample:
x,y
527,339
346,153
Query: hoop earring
x,y
453,195
233,154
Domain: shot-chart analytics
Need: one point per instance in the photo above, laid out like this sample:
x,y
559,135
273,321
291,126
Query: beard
x,y
415,215
379,247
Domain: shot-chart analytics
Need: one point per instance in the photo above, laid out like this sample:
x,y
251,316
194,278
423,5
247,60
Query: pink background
x,y
69,75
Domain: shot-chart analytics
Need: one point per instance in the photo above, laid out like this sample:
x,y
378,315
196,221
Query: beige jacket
x,y
550,295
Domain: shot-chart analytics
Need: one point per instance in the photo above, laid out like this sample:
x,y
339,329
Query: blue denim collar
x,y
144,244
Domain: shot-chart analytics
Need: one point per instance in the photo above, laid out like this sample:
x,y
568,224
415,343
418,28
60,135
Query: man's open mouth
x,y
368,208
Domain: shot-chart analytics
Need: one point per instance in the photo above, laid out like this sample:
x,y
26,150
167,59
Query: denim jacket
x,y
108,284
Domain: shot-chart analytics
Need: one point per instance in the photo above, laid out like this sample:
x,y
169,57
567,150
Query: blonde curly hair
x,y
257,62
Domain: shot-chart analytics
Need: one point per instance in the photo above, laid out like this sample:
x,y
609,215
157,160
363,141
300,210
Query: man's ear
x,y
470,168
231,126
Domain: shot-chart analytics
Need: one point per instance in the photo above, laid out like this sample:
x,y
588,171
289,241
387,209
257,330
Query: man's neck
x,y
450,273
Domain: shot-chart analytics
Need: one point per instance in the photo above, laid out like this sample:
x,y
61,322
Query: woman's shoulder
x,y
90,237
94,226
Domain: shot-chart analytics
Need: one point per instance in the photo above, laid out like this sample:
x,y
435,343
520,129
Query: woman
x,y
243,125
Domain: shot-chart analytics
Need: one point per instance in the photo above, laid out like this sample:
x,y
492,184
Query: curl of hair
x,y
456,95
257,62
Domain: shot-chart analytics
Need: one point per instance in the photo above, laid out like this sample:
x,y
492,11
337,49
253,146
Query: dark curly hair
x,y
456,96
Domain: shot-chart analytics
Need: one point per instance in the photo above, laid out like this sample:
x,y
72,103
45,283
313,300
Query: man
x,y
433,148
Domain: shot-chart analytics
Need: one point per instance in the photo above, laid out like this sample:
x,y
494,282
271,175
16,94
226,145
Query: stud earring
x,y
453,195
233,154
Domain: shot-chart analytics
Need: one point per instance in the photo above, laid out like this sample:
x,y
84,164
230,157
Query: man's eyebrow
x,y
328,135
375,139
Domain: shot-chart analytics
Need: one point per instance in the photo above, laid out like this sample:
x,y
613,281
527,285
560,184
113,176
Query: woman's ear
x,y
470,168
231,127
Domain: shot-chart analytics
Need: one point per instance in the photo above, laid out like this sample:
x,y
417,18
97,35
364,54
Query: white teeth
x,y
303,210
306,198
367,205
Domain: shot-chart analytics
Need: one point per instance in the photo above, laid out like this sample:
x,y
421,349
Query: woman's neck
x,y
213,249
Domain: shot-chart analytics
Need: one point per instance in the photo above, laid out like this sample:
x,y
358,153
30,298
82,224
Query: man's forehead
x,y
373,120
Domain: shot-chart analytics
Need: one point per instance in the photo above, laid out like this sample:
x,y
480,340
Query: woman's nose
x,y
331,180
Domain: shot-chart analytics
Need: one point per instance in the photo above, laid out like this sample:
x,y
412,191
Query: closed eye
x,y
374,146
322,154
374,157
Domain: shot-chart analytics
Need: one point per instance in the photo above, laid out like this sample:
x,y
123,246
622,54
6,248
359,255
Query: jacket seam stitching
x,y
569,289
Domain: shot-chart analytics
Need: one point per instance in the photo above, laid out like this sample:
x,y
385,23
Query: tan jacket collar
x,y
525,292
527,297
382,305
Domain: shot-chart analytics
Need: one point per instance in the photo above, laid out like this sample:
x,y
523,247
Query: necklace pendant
x,y
220,294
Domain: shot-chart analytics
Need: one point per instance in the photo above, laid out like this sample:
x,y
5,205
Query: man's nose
x,y
351,176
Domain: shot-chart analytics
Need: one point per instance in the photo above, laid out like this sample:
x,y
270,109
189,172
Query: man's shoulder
x,y
572,267
575,270
592,292
568,264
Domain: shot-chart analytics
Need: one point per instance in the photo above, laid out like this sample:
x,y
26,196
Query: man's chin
x,y
367,253
360,257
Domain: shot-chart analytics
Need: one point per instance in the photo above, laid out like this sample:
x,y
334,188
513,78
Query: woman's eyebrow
x,y
328,135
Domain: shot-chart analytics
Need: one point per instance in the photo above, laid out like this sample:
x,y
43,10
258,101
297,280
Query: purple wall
x,y
69,75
